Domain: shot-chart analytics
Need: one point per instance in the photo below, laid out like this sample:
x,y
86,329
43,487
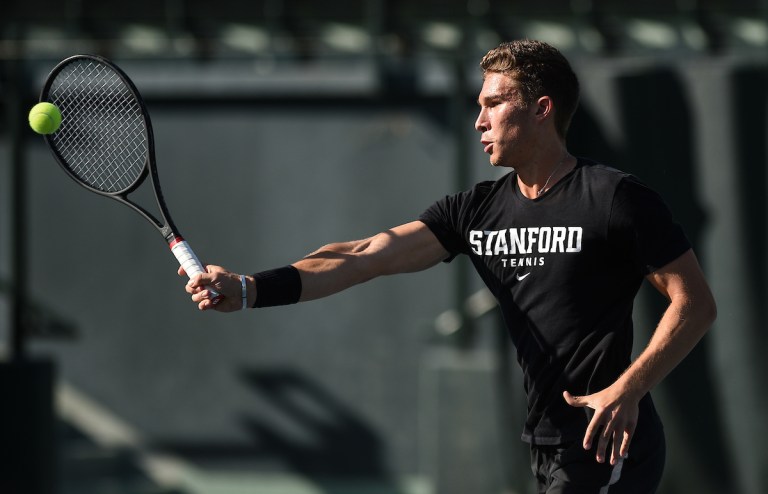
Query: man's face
x,y
504,120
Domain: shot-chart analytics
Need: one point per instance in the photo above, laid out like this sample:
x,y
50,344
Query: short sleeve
x,y
442,218
643,229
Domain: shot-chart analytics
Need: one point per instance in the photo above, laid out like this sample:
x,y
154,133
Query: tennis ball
x,y
44,118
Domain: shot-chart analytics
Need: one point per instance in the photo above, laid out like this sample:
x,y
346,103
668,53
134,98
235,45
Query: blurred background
x,y
282,125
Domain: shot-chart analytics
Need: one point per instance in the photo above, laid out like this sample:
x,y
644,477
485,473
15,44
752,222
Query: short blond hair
x,y
540,70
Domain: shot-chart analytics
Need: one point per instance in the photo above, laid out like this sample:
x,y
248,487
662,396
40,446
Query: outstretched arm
x,y
335,267
690,312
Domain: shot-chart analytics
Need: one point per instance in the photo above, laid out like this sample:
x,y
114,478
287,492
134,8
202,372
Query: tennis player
x,y
564,244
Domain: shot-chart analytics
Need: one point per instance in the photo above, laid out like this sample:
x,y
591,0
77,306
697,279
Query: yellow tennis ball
x,y
45,118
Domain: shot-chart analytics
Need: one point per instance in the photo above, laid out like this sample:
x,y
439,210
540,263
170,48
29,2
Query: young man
x,y
564,244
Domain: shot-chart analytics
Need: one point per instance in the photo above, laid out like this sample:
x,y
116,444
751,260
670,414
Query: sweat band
x,y
281,286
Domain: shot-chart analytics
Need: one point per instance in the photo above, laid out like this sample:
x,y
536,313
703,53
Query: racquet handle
x,y
191,264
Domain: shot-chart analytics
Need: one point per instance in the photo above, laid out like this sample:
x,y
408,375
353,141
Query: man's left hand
x,y
615,418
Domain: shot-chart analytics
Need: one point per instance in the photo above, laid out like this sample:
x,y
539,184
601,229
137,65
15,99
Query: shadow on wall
x,y
335,442
303,429
751,128
659,149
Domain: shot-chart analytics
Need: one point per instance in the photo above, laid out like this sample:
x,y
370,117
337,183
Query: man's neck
x,y
538,177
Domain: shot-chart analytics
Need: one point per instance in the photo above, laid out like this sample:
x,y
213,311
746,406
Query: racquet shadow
x,y
316,436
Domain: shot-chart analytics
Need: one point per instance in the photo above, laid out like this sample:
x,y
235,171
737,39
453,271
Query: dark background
x,y
284,125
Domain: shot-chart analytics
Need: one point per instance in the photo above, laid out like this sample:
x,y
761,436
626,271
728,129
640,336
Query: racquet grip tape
x,y
191,264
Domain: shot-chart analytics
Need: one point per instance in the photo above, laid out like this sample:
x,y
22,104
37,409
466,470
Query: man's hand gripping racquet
x,y
105,142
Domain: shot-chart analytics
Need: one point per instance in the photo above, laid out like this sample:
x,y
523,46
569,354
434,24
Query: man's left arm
x,y
689,315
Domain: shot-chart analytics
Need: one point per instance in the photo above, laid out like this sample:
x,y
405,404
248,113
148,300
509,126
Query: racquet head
x,y
105,139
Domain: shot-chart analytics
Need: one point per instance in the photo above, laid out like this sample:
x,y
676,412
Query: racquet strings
x,y
103,137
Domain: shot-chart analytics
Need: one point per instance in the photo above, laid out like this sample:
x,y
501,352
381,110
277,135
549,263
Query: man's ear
x,y
544,107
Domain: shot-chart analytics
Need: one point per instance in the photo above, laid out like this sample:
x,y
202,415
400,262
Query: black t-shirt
x,y
565,268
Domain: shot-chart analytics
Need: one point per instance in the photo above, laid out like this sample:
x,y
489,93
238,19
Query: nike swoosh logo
x,y
521,277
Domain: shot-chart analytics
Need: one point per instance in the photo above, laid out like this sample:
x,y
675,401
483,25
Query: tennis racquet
x,y
105,141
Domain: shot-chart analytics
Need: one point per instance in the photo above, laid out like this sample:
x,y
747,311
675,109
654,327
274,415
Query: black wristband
x,y
281,286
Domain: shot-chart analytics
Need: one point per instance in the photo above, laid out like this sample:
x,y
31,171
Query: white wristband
x,y
244,292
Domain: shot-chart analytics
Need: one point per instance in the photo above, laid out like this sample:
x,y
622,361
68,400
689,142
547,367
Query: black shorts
x,y
569,469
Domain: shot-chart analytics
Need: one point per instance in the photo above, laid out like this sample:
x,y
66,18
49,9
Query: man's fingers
x,y
626,439
602,443
200,280
209,269
622,436
618,441
594,425
192,288
574,401
593,429
195,285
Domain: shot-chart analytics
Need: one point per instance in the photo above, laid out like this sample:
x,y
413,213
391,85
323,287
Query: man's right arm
x,y
334,267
